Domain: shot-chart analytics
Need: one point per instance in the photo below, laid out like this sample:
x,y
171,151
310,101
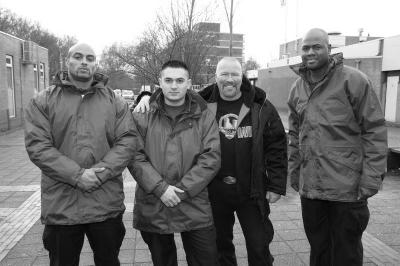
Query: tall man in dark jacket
x,y
81,136
253,163
178,156
337,151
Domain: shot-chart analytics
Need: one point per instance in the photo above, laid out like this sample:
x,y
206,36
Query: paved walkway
x,y
20,229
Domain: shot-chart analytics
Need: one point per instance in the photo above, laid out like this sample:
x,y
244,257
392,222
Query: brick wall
x,y
23,79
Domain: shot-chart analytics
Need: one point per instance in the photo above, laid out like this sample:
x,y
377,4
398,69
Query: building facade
x,y
220,48
23,72
379,59
293,48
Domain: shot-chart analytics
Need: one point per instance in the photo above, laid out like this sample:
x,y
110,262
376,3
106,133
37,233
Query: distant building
x,y
220,48
293,48
24,71
379,59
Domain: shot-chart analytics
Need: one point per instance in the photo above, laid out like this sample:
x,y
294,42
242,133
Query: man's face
x,y
229,79
315,52
174,83
81,63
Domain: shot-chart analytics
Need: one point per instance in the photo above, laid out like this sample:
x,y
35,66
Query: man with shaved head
x,y
81,136
253,163
337,151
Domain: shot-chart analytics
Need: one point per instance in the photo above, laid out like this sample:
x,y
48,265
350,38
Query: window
x,y
10,86
35,78
42,77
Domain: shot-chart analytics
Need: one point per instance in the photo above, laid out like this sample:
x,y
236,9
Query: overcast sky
x,y
264,23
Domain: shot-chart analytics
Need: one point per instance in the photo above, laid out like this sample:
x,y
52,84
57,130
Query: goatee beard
x,y
80,78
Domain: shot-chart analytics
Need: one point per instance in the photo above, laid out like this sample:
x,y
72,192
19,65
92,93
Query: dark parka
x,y
185,155
269,147
67,132
337,134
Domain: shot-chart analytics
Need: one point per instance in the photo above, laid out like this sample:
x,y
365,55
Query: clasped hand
x,y
88,181
170,198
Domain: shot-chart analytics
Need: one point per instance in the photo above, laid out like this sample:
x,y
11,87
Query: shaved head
x,y
232,61
317,34
79,47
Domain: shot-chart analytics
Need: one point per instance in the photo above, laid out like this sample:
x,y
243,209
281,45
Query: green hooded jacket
x,y
68,131
186,155
337,134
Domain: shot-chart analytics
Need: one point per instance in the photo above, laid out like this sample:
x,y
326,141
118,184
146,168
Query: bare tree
x,y
172,36
27,30
64,44
229,17
251,64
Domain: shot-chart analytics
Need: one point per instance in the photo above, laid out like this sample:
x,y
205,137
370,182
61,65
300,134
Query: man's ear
x,y
329,48
190,82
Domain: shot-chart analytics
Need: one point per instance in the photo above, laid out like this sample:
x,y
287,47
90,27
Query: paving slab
x,y
21,230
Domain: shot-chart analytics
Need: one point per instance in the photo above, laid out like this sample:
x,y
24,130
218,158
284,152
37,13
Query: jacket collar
x,y
99,81
194,104
335,60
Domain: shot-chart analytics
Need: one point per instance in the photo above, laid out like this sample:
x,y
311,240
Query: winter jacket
x,y
337,135
68,131
269,148
186,155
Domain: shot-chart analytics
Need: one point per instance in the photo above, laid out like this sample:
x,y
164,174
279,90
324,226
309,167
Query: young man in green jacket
x,y
179,154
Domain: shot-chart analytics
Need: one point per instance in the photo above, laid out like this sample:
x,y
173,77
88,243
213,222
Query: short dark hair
x,y
175,64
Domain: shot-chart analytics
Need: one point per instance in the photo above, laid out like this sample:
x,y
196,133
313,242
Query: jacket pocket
x,y
349,157
336,111
340,169
49,184
142,196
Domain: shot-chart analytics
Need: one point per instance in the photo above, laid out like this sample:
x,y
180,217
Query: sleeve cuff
x,y
160,189
371,182
77,176
103,175
277,191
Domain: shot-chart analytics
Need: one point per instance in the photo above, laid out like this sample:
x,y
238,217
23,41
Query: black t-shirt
x,y
236,142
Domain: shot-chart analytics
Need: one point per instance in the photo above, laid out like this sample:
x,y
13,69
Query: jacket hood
x,y
251,94
62,79
301,69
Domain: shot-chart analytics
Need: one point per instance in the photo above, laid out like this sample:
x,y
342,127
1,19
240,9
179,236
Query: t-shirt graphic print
x,y
228,125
